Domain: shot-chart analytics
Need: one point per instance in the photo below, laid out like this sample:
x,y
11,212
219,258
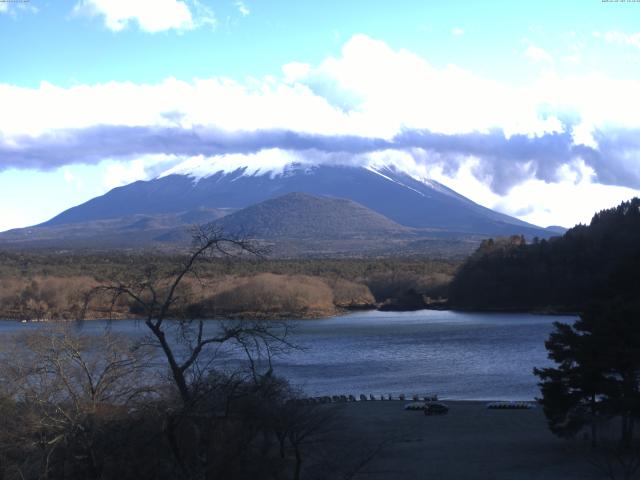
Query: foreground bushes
x,y
78,407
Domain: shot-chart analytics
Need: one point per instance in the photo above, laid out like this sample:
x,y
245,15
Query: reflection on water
x,y
456,355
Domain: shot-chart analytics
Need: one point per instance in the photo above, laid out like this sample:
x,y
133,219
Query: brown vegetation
x,y
349,294
269,294
44,297
54,286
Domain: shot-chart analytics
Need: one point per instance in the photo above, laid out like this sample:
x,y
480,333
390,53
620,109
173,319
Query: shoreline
x,y
281,316
409,400
550,311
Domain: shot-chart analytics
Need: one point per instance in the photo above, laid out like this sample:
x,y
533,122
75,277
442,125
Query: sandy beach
x,y
470,442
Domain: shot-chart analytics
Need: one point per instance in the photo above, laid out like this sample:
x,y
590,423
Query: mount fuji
x,y
383,200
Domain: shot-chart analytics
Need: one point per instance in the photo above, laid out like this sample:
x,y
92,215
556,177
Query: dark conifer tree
x,y
597,376
571,391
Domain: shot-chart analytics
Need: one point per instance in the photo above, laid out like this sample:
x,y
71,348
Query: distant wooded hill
x,y
601,260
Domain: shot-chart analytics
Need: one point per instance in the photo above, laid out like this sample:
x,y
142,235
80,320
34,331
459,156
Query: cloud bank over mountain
x,y
504,162
370,102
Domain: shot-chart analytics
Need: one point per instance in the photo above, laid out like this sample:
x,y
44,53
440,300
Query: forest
x,y
563,274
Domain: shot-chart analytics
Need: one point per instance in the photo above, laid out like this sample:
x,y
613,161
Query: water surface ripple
x,y
474,356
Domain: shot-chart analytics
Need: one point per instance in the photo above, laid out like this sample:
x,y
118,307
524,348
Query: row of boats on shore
x,y
418,402
361,398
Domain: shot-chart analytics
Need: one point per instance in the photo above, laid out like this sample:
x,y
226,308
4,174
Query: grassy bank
x,y
55,285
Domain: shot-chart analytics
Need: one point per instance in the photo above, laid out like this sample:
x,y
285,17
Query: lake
x,y
462,356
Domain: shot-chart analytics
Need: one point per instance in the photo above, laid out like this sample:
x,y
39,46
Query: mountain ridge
x,y
383,202
390,192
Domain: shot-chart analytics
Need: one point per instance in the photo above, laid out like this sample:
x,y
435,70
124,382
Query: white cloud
x,y
68,176
150,15
620,38
582,135
242,8
457,31
217,102
143,167
269,160
573,199
72,180
370,90
13,7
537,55
119,174
295,71
385,90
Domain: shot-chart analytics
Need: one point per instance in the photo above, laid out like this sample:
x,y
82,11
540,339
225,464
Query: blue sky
x,y
552,87
64,48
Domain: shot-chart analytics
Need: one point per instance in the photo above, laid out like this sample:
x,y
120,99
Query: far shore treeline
x,y
592,262
54,285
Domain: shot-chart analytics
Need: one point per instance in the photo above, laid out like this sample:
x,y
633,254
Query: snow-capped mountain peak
x,y
270,162
397,188
276,162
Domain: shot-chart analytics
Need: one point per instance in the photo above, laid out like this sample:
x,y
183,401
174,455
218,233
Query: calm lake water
x,y
475,356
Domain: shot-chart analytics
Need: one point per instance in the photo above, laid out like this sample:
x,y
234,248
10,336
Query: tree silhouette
x,y
598,371
158,297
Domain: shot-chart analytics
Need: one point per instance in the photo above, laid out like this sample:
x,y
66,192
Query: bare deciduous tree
x,y
63,386
158,296
183,337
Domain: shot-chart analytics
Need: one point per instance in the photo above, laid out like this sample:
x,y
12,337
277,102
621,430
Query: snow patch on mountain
x,y
404,163
270,162
374,170
394,166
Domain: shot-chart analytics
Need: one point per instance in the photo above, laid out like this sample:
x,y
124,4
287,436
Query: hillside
x,y
132,231
302,216
601,260
298,225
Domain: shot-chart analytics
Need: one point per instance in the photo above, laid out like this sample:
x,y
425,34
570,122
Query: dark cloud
x,y
617,159
504,162
91,145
